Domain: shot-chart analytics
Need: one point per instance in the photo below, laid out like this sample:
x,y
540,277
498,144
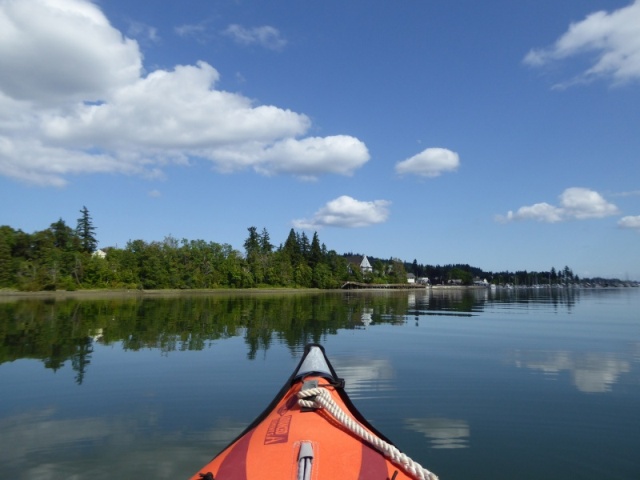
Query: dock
x,y
383,286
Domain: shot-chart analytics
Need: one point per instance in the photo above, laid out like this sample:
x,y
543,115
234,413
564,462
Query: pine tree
x,y
292,248
86,232
252,243
304,245
315,256
265,243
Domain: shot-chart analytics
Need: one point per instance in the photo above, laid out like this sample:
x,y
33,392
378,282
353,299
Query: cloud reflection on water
x,y
441,432
121,446
365,377
590,372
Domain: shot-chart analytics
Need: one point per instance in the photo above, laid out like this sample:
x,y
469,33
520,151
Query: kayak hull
x,y
270,448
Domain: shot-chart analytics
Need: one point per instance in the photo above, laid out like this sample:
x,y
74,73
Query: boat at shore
x,y
312,431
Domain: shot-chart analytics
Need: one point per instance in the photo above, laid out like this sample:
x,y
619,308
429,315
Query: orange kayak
x,y
312,431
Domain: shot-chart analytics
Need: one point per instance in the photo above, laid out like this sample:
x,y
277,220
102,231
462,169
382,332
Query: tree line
x,y
64,258
443,274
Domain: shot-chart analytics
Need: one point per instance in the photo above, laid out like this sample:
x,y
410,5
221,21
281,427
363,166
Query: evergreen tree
x,y
305,246
292,247
568,274
265,244
252,243
66,245
315,255
86,232
63,235
415,269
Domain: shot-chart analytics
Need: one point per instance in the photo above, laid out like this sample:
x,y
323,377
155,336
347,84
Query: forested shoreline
x,y
64,258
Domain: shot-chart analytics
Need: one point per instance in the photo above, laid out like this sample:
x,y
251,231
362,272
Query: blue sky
x,y
501,134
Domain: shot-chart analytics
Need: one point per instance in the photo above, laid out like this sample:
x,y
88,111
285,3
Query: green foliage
x,y
86,232
8,265
61,258
397,272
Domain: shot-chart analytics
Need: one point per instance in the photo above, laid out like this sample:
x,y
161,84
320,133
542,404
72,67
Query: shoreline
x,y
133,293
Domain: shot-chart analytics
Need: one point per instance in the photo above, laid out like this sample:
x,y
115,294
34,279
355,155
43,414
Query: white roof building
x,y
365,266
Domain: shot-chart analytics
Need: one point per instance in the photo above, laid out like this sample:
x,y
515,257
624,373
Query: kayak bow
x,y
312,431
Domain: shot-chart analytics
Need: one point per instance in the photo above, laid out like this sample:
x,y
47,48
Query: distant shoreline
x,y
132,293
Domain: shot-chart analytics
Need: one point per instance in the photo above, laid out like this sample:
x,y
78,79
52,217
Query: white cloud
x,y
190,30
347,212
542,212
632,222
613,38
200,32
30,161
61,50
73,100
575,203
429,163
265,36
583,203
147,33
308,157
174,110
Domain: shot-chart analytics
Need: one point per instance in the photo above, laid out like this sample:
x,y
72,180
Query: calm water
x,y
472,384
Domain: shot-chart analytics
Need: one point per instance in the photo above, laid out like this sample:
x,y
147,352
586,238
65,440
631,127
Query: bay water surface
x,y
481,384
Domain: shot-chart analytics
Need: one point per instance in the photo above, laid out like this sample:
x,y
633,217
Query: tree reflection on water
x,y
56,331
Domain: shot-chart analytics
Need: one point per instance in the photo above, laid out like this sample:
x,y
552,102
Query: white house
x,y
365,266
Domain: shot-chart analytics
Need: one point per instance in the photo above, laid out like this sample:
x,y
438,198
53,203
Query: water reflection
x,y
130,445
590,372
365,377
441,432
366,317
57,332
472,301
167,382
223,432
